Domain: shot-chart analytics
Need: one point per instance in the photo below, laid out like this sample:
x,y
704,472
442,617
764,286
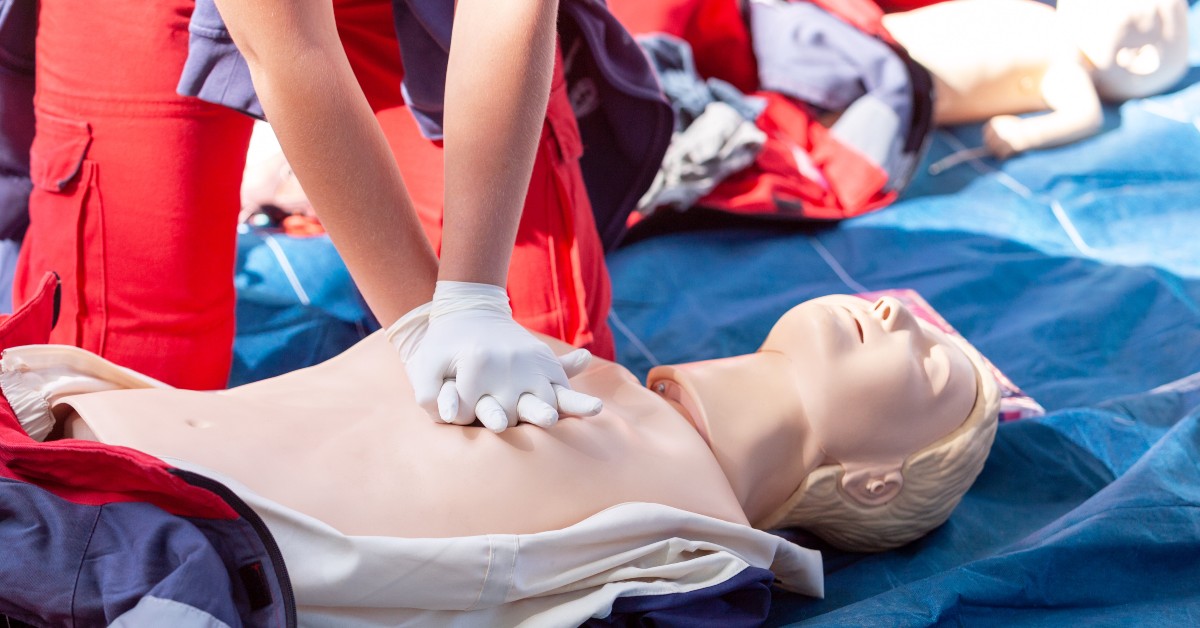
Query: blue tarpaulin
x,y
296,305
1076,270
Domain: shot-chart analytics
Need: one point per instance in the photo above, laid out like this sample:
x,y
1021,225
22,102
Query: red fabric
x,y
136,193
81,471
93,474
557,279
893,6
31,323
773,185
864,15
715,29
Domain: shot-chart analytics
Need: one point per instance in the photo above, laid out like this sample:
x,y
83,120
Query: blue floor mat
x,y
1076,270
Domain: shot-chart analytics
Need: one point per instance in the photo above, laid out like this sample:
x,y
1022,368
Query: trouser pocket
x,y
67,229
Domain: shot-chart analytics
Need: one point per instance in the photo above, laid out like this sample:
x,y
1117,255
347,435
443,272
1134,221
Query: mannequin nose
x,y
892,314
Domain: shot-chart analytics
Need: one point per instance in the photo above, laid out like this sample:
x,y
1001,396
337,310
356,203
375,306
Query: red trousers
x,y
135,194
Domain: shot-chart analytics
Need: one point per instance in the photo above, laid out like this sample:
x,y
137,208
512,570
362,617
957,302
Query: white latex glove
x,y
467,358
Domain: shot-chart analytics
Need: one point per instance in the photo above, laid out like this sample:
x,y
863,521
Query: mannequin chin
x,y
852,410
993,59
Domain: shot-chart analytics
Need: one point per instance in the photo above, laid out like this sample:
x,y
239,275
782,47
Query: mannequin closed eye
x,y
846,350
857,325
882,317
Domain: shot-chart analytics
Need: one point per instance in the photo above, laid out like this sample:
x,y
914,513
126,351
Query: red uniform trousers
x,y
135,194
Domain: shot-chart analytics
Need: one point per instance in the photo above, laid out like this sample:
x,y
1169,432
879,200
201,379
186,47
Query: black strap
x,y
9,622
57,299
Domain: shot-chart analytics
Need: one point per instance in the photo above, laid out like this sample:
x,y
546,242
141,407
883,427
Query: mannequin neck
x,y
749,413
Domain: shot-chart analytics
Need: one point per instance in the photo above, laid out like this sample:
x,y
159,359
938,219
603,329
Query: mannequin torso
x,y
983,67
364,458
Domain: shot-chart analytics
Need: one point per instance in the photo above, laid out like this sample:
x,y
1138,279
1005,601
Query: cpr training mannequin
x,y
991,59
839,382
854,421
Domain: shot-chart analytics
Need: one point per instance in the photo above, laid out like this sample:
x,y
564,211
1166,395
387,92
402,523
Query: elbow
x,y
1091,118
1095,124
272,37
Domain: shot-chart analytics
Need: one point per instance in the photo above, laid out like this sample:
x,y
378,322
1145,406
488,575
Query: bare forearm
x,y
497,86
1075,109
337,149
1055,129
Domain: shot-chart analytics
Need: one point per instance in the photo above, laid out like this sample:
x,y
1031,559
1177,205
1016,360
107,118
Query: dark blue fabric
x,y
1077,271
214,70
624,121
742,600
70,564
18,24
281,325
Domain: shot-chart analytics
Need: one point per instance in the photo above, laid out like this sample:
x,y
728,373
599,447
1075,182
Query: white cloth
x,y
34,377
557,578
717,144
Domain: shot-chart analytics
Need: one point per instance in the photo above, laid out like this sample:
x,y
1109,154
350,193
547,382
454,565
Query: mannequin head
x,y
878,421
1137,47
915,430
875,385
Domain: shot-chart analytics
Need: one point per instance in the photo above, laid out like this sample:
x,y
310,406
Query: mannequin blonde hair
x,y
935,479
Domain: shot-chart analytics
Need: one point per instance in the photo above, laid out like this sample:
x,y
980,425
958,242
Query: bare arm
x,y
497,87
336,147
465,355
1075,113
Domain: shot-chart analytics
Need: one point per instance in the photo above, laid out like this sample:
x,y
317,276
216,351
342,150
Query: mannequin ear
x,y
872,486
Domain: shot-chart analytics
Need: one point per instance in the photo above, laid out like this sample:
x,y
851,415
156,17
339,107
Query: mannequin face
x,y
876,385
1137,47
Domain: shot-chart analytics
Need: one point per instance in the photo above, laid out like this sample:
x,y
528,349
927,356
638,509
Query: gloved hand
x,y
467,358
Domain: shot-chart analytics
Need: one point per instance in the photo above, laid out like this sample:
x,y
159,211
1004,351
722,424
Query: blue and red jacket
x,y
95,535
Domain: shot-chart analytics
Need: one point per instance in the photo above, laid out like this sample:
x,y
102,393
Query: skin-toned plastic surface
x,y
345,442
839,381
992,59
1136,48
